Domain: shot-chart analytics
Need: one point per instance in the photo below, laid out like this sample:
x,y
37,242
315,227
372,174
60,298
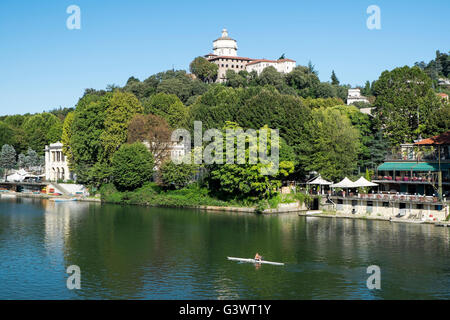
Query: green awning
x,y
413,166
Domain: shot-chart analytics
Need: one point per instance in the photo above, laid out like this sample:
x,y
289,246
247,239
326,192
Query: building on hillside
x,y
354,95
420,168
225,57
170,150
282,65
56,166
443,96
444,82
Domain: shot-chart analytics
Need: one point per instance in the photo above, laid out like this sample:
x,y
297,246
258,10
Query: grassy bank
x,y
153,195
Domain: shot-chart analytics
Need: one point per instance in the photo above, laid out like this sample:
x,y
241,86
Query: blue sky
x,y
43,65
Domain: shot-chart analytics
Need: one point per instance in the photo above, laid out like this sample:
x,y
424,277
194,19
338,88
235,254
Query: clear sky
x,y
44,65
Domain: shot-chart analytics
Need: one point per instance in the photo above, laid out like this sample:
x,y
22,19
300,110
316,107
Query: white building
x,y
225,46
282,65
56,166
226,58
354,95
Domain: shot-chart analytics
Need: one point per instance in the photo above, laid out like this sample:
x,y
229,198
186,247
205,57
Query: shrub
x,y
132,166
176,176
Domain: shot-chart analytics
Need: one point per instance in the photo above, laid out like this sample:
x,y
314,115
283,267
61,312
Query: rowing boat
x,y
255,261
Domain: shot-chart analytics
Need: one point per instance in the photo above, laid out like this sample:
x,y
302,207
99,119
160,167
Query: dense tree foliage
x,y
332,144
204,70
438,67
7,158
404,101
176,176
169,107
247,180
154,132
132,166
318,131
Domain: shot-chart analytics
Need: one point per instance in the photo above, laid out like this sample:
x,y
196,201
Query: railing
x,y
391,197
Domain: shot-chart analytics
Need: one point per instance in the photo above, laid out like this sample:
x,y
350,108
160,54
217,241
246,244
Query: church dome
x,y
225,46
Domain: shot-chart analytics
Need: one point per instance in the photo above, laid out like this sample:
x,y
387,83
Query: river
x,y
131,252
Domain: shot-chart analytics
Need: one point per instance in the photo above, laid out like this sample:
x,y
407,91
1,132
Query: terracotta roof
x,y
443,138
286,60
271,61
443,95
231,57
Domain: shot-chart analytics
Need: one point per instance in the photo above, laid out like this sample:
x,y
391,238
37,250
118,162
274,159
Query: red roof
x,y
272,61
230,57
443,138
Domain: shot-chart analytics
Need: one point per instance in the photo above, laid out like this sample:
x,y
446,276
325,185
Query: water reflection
x,y
134,252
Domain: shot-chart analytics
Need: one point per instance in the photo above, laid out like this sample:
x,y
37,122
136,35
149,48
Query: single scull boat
x,y
255,261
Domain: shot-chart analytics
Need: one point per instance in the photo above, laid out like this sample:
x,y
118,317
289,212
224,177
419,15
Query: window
x,y
385,204
340,201
419,206
370,203
354,203
402,205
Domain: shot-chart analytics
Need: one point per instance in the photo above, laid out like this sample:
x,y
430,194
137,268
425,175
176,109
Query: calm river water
x,y
133,252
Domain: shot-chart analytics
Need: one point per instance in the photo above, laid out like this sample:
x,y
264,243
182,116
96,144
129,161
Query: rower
x,y
258,257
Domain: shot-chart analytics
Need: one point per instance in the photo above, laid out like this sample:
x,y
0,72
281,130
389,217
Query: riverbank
x,y
195,197
12,194
366,217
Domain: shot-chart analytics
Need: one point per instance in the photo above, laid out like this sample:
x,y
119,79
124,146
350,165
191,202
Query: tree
x,y
169,107
22,161
87,127
176,175
154,131
334,79
302,79
236,80
246,180
312,69
367,90
404,100
331,144
7,158
271,76
42,129
32,159
204,70
132,166
6,134
66,136
120,110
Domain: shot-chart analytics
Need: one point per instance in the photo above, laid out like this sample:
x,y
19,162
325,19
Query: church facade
x,y
225,57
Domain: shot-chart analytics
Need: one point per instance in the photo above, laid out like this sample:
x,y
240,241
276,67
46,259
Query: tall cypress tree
x,y
334,79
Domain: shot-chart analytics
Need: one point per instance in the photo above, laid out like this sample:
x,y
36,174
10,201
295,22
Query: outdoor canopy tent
x,y
345,183
320,181
362,182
